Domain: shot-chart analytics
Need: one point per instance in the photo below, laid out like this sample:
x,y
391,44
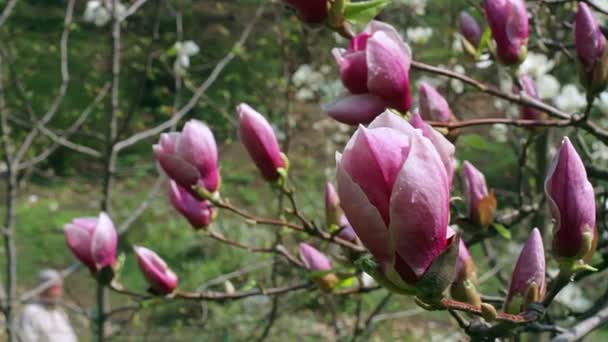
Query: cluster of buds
x,y
508,21
590,50
398,204
320,265
481,204
572,202
190,159
94,241
375,69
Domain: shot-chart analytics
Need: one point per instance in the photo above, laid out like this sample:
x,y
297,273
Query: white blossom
x,y
536,64
499,133
183,51
484,62
570,99
602,102
547,86
419,35
457,85
99,12
418,7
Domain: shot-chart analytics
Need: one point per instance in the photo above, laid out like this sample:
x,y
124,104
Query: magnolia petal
x,y
104,242
388,71
419,206
355,109
364,217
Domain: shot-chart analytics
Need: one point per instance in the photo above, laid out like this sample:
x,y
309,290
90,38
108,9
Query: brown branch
x,y
216,295
500,316
581,329
503,121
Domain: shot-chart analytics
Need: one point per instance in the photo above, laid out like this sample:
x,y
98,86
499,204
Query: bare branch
x,y
200,91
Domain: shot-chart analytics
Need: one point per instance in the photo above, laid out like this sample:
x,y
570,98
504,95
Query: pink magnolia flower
x,y
310,11
199,213
572,202
481,204
508,20
528,279
93,240
260,141
398,196
158,275
376,64
190,157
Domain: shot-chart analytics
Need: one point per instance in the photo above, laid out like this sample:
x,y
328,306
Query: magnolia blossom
x,y
508,21
375,69
161,279
93,240
183,52
396,196
99,12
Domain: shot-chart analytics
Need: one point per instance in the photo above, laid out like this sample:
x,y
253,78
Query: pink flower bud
x,y
588,37
198,213
158,275
508,20
333,211
590,45
377,62
444,146
572,202
465,267
355,109
528,278
528,113
93,241
346,231
190,157
433,107
310,11
469,28
398,195
481,204
261,143
313,259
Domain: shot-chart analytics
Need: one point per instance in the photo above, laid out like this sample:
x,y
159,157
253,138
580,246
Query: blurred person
x,y
43,319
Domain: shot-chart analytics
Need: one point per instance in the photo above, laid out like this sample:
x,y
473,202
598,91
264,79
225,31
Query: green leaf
x,y
484,41
502,230
364,11
346,282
